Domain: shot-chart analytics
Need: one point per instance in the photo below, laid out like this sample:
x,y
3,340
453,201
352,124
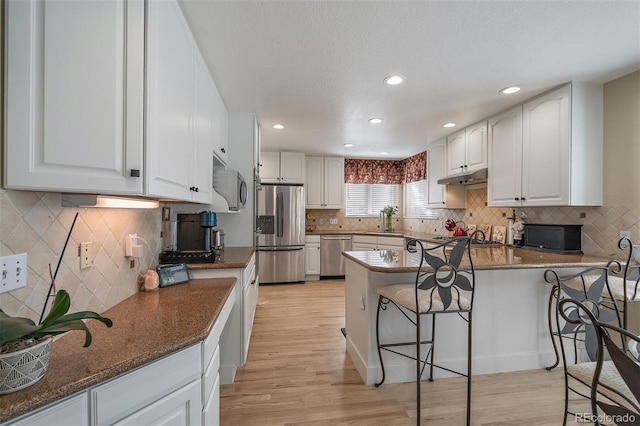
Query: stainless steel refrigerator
x,y
280,228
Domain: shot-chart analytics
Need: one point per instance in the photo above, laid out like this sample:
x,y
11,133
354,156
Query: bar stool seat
x,y
428,300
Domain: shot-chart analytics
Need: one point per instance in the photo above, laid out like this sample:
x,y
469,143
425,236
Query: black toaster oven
x,y
562,239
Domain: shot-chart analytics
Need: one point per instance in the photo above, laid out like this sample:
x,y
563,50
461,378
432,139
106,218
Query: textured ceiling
x,y
317,66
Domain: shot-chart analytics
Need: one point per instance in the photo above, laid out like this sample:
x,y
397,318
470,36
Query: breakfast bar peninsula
x,y
510,330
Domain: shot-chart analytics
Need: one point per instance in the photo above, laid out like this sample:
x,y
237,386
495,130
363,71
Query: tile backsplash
x,y
600,229
36,224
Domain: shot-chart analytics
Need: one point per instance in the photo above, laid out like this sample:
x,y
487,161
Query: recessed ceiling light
x,y
393,80
348,145
384,152
278,126
450,124
509,90
375,120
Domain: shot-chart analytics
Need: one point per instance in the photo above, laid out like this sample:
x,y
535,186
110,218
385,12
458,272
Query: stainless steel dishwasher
x,y
331,259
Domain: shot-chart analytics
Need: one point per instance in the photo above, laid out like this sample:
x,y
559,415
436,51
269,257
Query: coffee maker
x,y
192,238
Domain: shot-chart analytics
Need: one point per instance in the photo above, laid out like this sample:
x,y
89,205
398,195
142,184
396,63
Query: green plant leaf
x,y
15,328
84,315
61,306
68,326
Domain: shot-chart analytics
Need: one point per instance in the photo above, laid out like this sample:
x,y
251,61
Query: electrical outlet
x,y
624,234
333,221
13,272
321,221
86,257
130,241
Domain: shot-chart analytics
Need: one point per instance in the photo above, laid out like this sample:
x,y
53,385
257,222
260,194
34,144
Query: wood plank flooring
x,y
298,372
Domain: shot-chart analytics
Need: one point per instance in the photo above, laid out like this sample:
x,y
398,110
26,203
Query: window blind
x,y
415,200
368,199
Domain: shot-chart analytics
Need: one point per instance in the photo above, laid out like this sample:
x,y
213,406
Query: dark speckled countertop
x,y
146,327
232,258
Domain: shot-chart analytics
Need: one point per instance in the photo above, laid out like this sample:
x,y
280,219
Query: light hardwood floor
x,y
298,372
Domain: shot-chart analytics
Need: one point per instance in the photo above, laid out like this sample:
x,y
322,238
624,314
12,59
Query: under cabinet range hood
x,y
469,178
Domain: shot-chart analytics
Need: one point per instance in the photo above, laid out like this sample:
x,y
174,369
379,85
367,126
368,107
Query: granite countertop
x,y
146,327
232,258
484,258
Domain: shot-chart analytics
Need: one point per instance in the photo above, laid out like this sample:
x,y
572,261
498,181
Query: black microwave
x,y
561,239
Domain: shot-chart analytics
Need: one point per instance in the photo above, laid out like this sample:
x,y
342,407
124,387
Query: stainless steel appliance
x,y
280,227
231,185
331,258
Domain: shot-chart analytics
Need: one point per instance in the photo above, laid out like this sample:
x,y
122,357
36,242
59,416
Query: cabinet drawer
x,y
391,241
312,239
71,411
132,391
211,374
367,239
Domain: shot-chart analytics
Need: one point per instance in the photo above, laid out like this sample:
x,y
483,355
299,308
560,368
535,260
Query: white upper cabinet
x,y
282,167
504,185
442,196
467,149
324,182
181,108
552,145
74,96
220,128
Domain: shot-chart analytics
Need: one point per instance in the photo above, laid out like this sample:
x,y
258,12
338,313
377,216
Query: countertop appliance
x,y
232,186
280,228
195,239
331,258
554,238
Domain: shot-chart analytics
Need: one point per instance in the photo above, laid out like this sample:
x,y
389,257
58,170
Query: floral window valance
x,y
386,171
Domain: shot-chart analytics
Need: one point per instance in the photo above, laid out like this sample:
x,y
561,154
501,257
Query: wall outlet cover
x,y
13,272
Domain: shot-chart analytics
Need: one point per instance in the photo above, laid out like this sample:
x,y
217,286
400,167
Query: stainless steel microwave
x,y
232,187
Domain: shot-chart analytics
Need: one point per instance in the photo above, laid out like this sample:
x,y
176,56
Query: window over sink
x,y
366,200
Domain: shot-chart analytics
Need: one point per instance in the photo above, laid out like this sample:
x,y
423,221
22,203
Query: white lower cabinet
x,y
181,407
71,411
312,255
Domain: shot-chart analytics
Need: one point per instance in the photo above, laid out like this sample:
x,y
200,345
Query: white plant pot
x,y
25,367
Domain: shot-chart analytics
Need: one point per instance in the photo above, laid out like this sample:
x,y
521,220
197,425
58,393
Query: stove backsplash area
x,y
599,231
36,224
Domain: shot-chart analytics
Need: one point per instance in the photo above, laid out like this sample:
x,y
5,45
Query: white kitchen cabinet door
x,y
456,152
203,131
476,147
504,185
180,408
333,182
315,182
312,255
270,167
74,96
546,150
436,170
324,182
170,89
442,196
292,167
221,128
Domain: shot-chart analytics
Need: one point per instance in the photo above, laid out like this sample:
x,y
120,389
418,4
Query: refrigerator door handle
x,y
280,215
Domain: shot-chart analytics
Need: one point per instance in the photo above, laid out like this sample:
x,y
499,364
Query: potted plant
x,y
25,346
387,214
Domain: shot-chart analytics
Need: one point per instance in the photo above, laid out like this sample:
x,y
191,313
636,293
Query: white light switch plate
x,y
13,272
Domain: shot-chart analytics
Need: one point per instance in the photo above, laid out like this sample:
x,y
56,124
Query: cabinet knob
x,y
522,199
443,202
223,150
135,172
195,188
517,199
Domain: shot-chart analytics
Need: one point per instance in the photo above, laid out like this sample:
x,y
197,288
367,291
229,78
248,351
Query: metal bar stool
x,y
447,287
